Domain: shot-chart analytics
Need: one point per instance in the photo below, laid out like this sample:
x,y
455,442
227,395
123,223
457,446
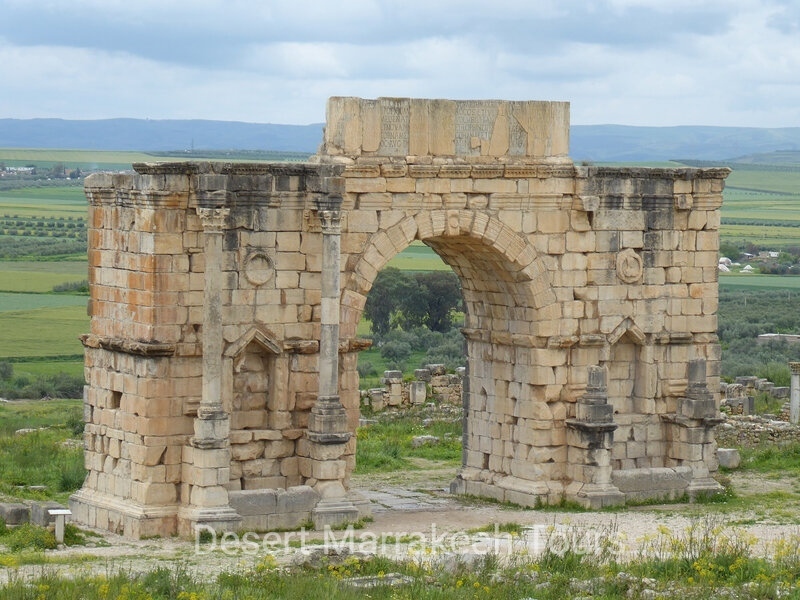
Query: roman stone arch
x,y
222,388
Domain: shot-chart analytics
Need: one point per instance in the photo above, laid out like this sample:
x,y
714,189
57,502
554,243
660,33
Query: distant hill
x,y
621,143
595,143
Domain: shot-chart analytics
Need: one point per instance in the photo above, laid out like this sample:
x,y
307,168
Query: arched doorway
x,y
514,434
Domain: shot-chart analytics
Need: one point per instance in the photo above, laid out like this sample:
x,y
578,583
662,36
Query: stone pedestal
x,y
692,432
590,436
794,394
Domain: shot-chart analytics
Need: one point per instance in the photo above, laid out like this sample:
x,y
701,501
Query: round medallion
x,y
629,266
258,268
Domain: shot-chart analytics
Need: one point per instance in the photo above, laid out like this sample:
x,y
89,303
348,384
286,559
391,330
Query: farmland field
x,y
38,276
47,326
84,159
759,282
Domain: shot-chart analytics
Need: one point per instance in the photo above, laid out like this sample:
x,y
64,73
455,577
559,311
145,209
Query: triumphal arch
x,y
222,388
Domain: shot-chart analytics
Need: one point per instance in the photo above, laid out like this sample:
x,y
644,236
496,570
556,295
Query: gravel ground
x,y
414,508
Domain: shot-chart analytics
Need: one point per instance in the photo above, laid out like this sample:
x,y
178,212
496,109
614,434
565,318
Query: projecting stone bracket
x,y
90,340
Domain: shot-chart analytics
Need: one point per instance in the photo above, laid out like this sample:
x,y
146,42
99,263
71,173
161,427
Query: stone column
x,y
207,458
794,398
328,431
328,420
590,436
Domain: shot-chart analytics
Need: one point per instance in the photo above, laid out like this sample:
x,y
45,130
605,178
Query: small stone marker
x,y
60,515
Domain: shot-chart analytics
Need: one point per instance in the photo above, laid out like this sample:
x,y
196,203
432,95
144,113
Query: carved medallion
x,y
629,266
258,267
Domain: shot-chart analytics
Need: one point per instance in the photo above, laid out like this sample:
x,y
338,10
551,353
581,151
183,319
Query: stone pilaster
x,y
208,456
328,431
590,436
794,398
693,443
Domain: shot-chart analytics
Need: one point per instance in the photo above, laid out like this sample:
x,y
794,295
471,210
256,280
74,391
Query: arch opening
x,y
513,426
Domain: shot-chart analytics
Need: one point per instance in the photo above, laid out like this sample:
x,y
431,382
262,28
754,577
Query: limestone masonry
x,y
222,388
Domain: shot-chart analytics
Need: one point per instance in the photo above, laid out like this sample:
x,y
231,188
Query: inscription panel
x,y
474,126
395,127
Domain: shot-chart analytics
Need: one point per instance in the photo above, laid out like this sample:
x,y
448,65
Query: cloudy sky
x,y
634,62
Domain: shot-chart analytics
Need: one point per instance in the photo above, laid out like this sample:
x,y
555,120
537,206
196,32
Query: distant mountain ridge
x,y
596,143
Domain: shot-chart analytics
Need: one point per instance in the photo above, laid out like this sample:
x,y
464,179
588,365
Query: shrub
x,y
6,370
73,287
29,536
396,351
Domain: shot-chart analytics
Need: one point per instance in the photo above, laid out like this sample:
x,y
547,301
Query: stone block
x,y
39,514
254,502
729,458
15,513
417,392
298,499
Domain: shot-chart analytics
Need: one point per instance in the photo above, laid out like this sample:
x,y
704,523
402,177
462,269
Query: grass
x,y
758,281
70,366
45,158
44,202
418,257
38,276
706,559
40,458
768,458
386,445
50,329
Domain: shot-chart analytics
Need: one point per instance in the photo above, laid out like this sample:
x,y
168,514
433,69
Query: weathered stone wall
x,y
750,431
431,383
222,354
144,354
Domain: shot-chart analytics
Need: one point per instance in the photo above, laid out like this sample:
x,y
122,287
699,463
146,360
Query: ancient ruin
x,y
222,388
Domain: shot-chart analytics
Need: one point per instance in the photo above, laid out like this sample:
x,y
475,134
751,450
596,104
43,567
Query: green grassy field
x,y
418,257
84,159
38,276
42,330
757,281
762,207
44,202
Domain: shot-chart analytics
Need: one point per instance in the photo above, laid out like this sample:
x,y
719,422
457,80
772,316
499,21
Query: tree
x,y
729,250
399,299
383,301
58,171
441,296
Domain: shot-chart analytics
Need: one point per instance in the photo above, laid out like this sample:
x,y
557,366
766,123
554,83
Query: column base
x,y
594,495
362,505
121,516
193,519
705,486
334,512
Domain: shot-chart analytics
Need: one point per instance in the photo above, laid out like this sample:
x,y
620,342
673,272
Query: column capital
x,y
330,214
795,368
331,221
213,219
